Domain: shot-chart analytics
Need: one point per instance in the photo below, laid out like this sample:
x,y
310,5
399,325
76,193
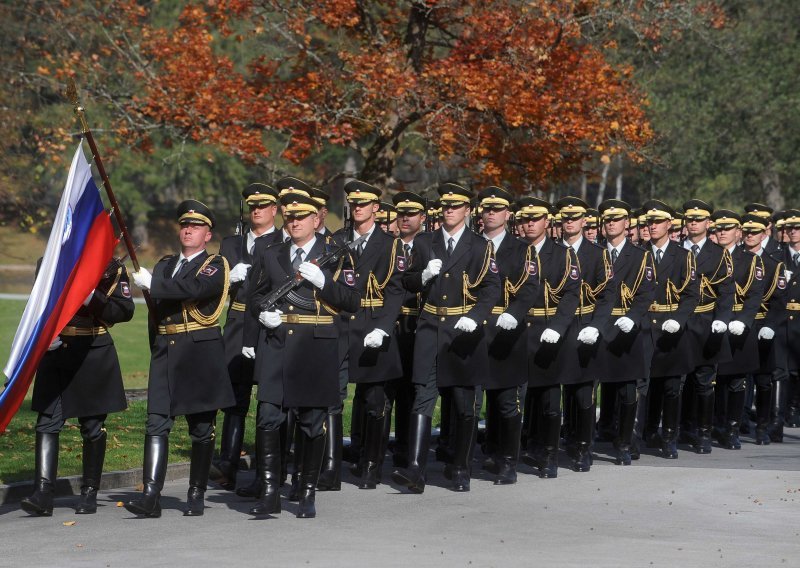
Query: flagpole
x,y
80,112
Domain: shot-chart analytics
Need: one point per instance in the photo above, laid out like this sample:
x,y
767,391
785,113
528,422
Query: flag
x,y
79,248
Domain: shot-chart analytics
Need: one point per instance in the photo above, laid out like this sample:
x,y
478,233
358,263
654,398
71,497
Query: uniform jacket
x,y
188,373
772,313
793,307
297,363
84,372
468,285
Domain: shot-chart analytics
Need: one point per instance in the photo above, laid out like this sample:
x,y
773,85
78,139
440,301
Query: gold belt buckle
x,y
441,311
292,318
171,328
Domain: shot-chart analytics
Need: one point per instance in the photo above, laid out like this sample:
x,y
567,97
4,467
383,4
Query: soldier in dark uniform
x,y
506,336
625,350
791,226
548,321
748,276
79,376
322,198
677,293
591,316
769,326
591,229
368,348
238,250
456,272
764,212
707,325
297,351
386,218
400,392
188,376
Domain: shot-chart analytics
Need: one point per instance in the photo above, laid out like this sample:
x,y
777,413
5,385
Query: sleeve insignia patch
x,y
648,273
349,277
532,267
125,289
759,273
782,282
574,273
401,263
209,271
492,266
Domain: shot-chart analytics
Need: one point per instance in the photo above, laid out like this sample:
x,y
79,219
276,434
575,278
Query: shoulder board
x,y
601,247
558,244
167,257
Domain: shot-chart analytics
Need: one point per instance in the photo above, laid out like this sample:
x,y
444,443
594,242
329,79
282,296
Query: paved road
x,y
728,508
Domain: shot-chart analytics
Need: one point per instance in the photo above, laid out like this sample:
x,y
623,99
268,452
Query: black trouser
x,y
660,389
373,397
508,402
201,425
545,403
310,419
91,426
243,393
727,384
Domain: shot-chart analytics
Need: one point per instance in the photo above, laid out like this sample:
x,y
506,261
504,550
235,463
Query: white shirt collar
x,y
306,249
618,248
496,240
187,258
455,236
575,246
687,244
366,236
539,245
251,236
662,249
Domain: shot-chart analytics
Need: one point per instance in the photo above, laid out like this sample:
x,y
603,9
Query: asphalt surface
x,y
728,508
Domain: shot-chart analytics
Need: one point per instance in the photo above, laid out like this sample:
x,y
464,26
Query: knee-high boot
x,y
41,501
198,478
330,478
313,449
763,404
627,417
462,457
269,452
224,471
153,473
94,453
419,440
508,449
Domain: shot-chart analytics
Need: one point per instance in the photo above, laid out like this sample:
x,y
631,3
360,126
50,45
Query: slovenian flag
x,y
78,251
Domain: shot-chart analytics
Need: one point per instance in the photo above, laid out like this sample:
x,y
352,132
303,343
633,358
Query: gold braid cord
x,y
321,304
589,293
673,292
510,289
628,293
554,294
707,284
772,286
115,283
488,255
741,291
375,288
190,309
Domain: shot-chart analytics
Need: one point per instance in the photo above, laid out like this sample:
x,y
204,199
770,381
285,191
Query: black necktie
x,y
407,251
796,259
695,250
451,244
659,254
298,259
181,264
359,249
614,254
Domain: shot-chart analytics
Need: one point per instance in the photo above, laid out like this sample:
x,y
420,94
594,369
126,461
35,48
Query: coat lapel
x,y
669,258
284,260
439,250
372,248
463,246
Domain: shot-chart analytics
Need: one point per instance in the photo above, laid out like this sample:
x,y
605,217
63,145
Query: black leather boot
x,y
624,442
444,443
224,471
705,419
776,416
419,440
551,426
372,458
735,407
792,415
153,473
490,447
462,458
508,449
763,403
352,453
294,492
584,435
269,452
330,478
669,427
253,490
607,424
41,501
94,454
287,433
655,402
313,449
198,478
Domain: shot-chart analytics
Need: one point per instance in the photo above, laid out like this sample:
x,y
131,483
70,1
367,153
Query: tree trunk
x,y
601,191
619,178
771,184
584,184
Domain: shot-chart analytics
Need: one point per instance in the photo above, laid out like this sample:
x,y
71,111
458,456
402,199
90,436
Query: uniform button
x,y
291,332
358,275
291,308
654,321
447,275
169,319
485,322
172,342
441,319
66,345
352,317
444,296
791,317
529,324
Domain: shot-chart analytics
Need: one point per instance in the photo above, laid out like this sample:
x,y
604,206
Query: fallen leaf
x,y
120,504
68,523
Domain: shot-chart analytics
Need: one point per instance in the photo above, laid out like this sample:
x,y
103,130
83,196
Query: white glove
x,y
56,343
374,338
506,321
670,326
766,333
718,327
466,324
736,327
313,274
239,272
433,269
588,335
249,352
550,336
270,320
625,324
88,299
142,278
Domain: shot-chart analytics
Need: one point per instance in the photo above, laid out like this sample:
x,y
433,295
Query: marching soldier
x,y
79,376
505,384
764,212
625,349
238,250
300,324
591,229
368,349
677,292
549,320
707,325
322,198
748,276
386,218
791,227
456,272
769,326
400,392
188,376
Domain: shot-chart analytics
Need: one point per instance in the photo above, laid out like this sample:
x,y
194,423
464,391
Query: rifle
x,y
239,230
347,217
294,281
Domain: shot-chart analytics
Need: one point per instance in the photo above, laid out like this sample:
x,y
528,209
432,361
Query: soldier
x,y
188,376
644,231
299,324
238,250
676,230
791,226
548,321
677,292
505,384
591,228
625,350
410,220
386,218
748,276
707,325
769,325
79,376
321,197
368,349
455,271
764,213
